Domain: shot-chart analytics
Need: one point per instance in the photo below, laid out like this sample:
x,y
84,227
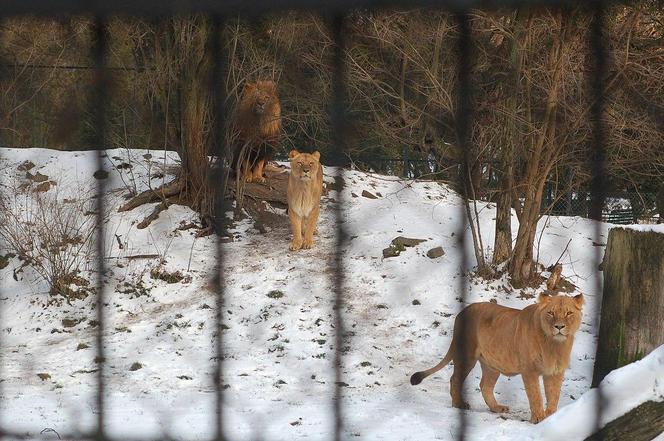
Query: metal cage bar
x,y
259,7
100,103
339,127
463,122
2,78
219,178
598,155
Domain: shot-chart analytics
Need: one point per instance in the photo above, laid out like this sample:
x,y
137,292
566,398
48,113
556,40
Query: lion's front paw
x,y
257,179
499,408
462,405
536,417
295,245
548,412
308,244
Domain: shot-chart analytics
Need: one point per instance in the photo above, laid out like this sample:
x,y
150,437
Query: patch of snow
x,y
279,324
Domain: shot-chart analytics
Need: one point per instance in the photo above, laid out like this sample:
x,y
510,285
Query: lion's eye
x,y
568,313
550,314
300,163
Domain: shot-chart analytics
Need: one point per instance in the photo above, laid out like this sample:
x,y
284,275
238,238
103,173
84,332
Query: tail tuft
x,y
416,378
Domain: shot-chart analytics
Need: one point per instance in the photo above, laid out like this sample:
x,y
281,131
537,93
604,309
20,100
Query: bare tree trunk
x,y
632,299
522,263
540,160
195,107
502,245
474,222
182,54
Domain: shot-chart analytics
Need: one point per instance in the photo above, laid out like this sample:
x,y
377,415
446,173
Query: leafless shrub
x,y
52,235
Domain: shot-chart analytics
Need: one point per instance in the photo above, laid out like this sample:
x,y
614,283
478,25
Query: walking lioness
x,y
305,187
536,341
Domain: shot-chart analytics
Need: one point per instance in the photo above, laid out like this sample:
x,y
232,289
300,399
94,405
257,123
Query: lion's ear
x,y
543,299
316,155
579,301
292,154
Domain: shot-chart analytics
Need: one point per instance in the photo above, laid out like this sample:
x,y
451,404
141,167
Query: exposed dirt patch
x,y
26,165
38,177
160,273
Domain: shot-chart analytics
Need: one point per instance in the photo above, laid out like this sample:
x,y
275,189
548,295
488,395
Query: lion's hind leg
x,y
487,384
465,350
465,358
462,367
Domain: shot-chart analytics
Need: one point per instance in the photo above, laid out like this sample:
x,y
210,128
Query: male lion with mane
x,y
256,129
536,341
305,187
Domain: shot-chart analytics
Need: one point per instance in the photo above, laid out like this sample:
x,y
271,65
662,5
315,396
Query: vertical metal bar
x,y
100,102
598,156
463,121
339,128
3,69
218,180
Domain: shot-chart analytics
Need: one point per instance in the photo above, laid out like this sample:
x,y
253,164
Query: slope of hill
x,y
278,335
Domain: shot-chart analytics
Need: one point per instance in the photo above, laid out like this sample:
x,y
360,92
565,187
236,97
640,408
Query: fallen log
x,y
643,423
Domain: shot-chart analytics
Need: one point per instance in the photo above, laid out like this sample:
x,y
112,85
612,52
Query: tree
x,y
180,51
632,299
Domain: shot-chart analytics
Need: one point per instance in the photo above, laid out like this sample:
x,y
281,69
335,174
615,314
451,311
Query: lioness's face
x,y
560,315
304,166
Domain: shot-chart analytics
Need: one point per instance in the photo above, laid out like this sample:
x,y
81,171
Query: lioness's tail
x,y
417,377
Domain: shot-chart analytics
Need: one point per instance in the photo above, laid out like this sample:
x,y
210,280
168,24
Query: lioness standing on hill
x,y
305,187
534,342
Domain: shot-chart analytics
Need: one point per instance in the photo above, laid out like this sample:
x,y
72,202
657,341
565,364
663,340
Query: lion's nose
x,y
559,327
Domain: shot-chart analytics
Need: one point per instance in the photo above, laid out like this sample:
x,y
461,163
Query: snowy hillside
x,y
279,339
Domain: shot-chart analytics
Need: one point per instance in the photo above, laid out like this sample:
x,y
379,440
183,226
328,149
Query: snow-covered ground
x,y
279,334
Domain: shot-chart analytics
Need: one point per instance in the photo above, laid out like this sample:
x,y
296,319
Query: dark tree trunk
x,y
632,300
502,244
643,423
184,67
540,159
522,265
